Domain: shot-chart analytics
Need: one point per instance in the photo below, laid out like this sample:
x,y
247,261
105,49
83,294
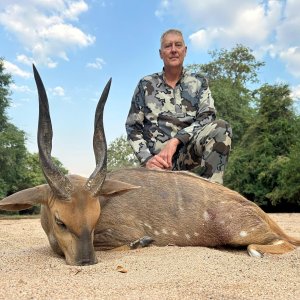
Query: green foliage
x,y
12,142
264,162
33,174
287,189
12,157
5,81
232,104
32,171
19,169
120,154
228,74
239,65
259,164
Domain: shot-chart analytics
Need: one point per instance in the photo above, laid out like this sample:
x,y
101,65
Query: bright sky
x,y
77,45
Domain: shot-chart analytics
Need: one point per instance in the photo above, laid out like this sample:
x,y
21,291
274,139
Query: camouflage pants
x,y
207,152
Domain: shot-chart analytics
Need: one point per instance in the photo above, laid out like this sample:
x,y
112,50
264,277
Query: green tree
x,y
12,141
32,174
19,169
120,154
239,65
5,81
12,157
232,102
230,73
288,187
256,165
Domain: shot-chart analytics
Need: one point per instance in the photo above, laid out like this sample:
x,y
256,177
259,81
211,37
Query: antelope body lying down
x,y
135,207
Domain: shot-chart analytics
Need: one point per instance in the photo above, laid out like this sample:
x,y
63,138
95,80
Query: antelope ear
x,y
26,198
111,187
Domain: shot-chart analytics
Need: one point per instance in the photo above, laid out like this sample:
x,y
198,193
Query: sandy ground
x,y
29,270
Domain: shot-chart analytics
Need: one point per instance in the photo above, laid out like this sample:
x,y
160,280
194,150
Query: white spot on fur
x,y
164,231
156,232
206,216
147,225
243,233
174,233
196,234
222,222
279,242
188,236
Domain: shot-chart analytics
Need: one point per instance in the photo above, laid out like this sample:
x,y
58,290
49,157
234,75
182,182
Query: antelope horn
x,y
59,183
95,181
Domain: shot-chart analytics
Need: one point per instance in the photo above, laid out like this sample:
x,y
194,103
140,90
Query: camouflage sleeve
x,y
134,125
206,113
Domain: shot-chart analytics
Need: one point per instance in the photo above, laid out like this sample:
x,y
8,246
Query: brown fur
x,y
175,208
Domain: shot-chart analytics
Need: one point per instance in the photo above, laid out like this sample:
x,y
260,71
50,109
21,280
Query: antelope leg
x,y
276,247
139,243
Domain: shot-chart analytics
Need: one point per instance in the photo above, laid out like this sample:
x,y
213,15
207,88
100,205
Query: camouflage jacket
x,y
158,112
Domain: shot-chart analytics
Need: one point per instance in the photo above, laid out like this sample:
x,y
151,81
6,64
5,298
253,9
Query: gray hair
x,y
174,31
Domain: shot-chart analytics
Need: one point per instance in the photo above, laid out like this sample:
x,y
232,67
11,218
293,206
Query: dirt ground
x,y
30,270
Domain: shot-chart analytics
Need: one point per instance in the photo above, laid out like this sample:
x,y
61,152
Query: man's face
x,y
173,50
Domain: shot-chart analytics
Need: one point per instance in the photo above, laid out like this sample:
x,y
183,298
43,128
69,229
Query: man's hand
x,y
163,160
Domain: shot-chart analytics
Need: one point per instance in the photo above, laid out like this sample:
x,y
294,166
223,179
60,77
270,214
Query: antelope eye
x,y
60,223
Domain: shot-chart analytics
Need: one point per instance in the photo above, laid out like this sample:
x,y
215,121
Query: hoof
x,y
146,241
142,242
255,253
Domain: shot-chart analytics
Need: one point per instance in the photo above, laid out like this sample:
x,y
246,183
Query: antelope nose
x,y
87,262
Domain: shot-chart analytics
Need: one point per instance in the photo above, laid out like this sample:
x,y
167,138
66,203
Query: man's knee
x,y
218,138
222,131
223,124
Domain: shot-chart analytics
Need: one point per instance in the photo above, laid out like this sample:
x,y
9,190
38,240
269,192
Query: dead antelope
x,y
135,207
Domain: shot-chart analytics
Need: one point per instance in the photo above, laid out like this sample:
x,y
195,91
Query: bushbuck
x,y
135,207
